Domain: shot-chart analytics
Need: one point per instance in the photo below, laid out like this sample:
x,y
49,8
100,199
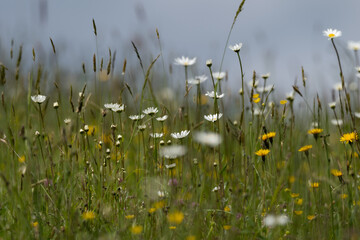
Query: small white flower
x,y
38,98
265,76
67,121
314,124
213,117
290,96
219,75
353,86
180,135
257,111
215,189
236,48
357,69
241,92
56,105
150,111
197,80
185,61
170,166
173,151
268,88
332,33
136,117
282,219
270,220
355,46
357,114
115,107
156,135
338,86
212,95
208,138
161,194
142,127
209,62
163,118
338,122
332,105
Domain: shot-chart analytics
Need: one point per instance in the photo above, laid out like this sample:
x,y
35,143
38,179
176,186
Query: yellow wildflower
x,y
349,137
129,216
151,210
336,172
344,195
256,100
315,185
172,227
315,131
291,179
305,148
311,217
268,135
282,102
35,224
136,229
294,195
227,227
21,159
298,212
262,152
175,217
299,201
227,208
191,237
88,215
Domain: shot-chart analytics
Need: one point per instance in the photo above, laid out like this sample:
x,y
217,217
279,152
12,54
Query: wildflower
x,y
35,224
172,227
136,229
156,135
136,117
219,75
337,122
150,111
163,118
311,217
185,61
213,117
355,46
344,195
273,220
315,185
269,135
170,166
290,96
212,95
338,86
305,148
283,102
291,179
227,208
173,151
315,132
227,227
142,127
357,114
209,62
180,135
56,105
332,33
294,195
21,159
115,107
262,153
129,216
256,100
191,237
88,215
298,212
299,201
215,189
253,84
208,138
349,137
38,98
265,76
161,194
336,172
197,80
152,210
236,48
67,121
175,217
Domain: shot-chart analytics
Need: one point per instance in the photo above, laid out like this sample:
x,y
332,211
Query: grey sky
x,y
279,36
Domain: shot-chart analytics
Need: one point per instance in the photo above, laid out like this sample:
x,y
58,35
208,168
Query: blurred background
x,y
279,36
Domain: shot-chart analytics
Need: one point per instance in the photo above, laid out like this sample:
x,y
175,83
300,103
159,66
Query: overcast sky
x,y
279,36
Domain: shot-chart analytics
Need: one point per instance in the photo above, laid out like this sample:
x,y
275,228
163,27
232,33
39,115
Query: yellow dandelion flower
x,y
191,237
151,210
256,96
305,148
21,159
315,131
136,229
299,201
311,217
88,215
287,190
35,224
349,137
336,172
268,135
344,195
292,179
160,204
294,195
282,102
227,208
227,227
172,227
262,152
175,217
315,185
298,212
256,100
129,216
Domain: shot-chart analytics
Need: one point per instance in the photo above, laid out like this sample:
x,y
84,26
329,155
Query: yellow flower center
x,y
331,35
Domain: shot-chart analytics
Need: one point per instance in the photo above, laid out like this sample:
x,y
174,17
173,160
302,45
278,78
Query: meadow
x,y
118,155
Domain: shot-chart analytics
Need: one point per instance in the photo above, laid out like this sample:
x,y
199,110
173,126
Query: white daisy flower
x,y
337,122
236,48
212,95
156,135
357,114
332,105
290,96
219,75
142,127
357,69
338,86
332,33
170,166
353,86
150,111
173,151
355,46
185,61
181,134
38,98
115,107
197,80
265,76
208,138
163,118
67,121
257,111
253,85
213,117
215,189
209,62
136,117
266,89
